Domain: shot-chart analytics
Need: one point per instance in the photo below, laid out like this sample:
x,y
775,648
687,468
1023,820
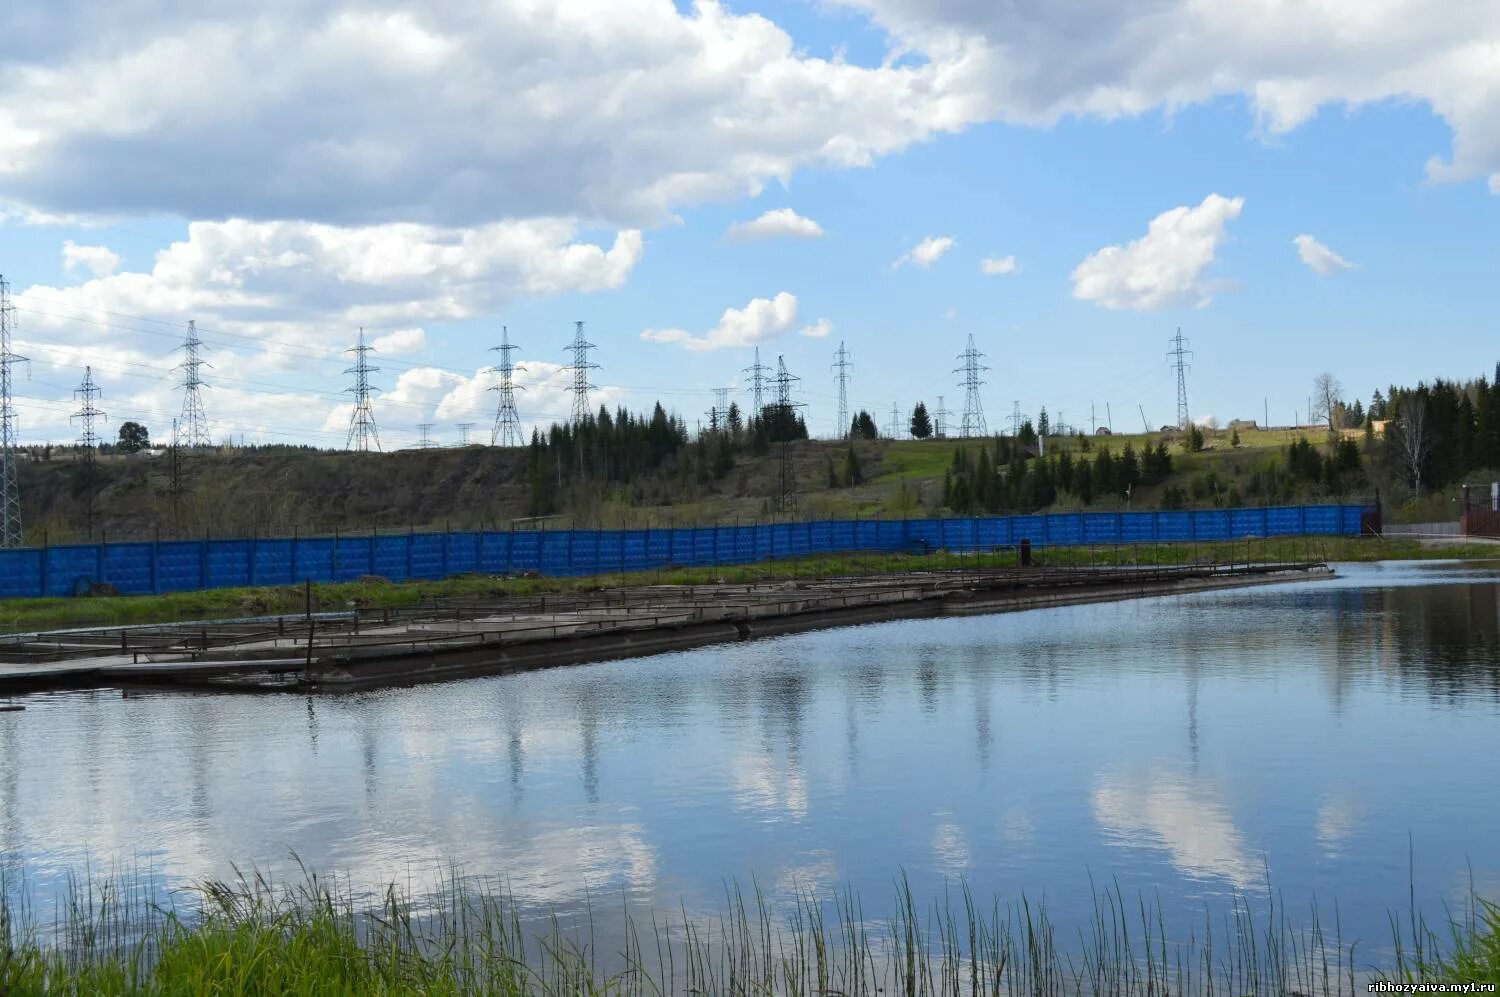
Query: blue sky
x,y
926,127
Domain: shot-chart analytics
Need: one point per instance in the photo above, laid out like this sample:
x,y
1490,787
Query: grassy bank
x,y
374,593
248,937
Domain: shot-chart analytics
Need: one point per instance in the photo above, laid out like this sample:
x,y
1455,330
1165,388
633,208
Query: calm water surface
x,y
1325,733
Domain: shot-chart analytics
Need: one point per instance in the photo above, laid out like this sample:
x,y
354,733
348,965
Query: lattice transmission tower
x,y
362,431
973,423
841,364
425,443
10,492
718,416
940,418
194,424
758,372
87,395
463,433
1180,358
580,367
893,429
507,431
786,416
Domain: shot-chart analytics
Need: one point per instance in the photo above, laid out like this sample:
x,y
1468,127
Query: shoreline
x,y
332,653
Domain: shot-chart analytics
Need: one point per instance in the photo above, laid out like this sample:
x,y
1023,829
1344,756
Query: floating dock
x,y
331,652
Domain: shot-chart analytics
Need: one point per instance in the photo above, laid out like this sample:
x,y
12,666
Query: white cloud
x,y
279,297
1035,63
818,330
1319,257
337,111
99,261
778,223
997,265
1165,266
401,341
758,321
927,252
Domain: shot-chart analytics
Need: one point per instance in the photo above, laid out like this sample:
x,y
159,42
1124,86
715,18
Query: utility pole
x,y
786,416
87,395
10,490
973,424
1093,423
194,422
1181,359
1146,426
841,364
757,372
580,368
362,431
424,427
1266,413
463,433
507,431
1109,418
940,420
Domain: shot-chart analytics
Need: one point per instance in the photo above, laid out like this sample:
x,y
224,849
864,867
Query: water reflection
x,y
1183,745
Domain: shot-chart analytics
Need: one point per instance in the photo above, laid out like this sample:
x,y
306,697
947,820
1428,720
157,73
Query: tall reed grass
x,y
248,935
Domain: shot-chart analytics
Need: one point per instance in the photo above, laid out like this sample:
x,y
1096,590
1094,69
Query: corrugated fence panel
x,y
20,573
993,532
1321,518
1247,522
273,563
1137,527
1101,527
128,566
1353,520
179,566
925,534
554,552
1283,521
1210,524
891,534
1174,526
1033,528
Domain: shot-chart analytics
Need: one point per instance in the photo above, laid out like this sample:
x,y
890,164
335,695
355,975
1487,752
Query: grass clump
x,y
248,936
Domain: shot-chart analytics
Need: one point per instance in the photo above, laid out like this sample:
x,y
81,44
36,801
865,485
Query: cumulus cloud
x,y
341,112
401,341
778,223
925,253
99,261
758,321
279,297
1323,261
1035,63
818,330
1165,266
996,266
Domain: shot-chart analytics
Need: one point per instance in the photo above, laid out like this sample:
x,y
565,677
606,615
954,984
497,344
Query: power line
x,y
194,422
841,364
1181,359
10,491
507,431
362,431
973,424
580,368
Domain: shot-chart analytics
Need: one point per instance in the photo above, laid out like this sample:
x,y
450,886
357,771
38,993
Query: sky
x,y
1298,186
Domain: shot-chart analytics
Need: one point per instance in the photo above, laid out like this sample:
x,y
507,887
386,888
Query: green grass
x,y
467,936
20,615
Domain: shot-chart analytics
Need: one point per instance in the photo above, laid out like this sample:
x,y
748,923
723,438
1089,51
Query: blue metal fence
x,y
137,567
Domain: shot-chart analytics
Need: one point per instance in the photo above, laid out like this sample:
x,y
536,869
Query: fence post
x,y
254,545
447,536
411,543
203,560
99,558
155,562
46,558
296,542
